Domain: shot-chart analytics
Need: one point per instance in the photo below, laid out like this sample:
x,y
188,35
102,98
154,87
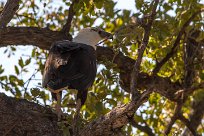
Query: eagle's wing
x,y
70,64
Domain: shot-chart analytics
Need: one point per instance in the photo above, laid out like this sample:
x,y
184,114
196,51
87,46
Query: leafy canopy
x,y
25,79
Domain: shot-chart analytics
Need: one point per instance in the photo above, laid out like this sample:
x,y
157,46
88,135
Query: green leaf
x,y
16,70
35,92
99,107
1,69
20,62
33,53
28,61
99,4
202,75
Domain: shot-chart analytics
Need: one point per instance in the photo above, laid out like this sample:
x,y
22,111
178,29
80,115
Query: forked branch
x,y
136,68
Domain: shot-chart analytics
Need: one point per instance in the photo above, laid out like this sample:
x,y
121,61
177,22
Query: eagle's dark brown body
x,y
71,65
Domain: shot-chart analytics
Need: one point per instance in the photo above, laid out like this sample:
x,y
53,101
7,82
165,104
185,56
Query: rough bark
x,y
20,117
111,122
41,37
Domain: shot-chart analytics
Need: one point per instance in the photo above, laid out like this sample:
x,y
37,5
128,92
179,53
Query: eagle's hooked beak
x,y
105,35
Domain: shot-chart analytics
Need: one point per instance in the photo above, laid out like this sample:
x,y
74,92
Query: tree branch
x,y
8,12
67,26
188,124
190,90
44,121
145,128
196,115
136,68
43,38
21,117
176,43
173,118
118,117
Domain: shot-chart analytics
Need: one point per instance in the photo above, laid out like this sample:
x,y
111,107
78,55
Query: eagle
x,y
72,65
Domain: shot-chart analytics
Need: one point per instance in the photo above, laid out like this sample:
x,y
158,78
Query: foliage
x,y
106,92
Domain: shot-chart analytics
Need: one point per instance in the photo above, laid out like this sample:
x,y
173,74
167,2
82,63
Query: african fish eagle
x,y
72,64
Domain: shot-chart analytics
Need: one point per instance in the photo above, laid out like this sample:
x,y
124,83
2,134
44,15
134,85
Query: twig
x,y
7,85
136,69
28,81
67,26
196,115
27,16
8,12
192,89
173,118
176,43
145,128
188,124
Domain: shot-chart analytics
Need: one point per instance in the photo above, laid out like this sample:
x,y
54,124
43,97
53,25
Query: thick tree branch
x,y
136,68
161,85
71,13
176,43
43,38
118,117
44,121
21,117
8,12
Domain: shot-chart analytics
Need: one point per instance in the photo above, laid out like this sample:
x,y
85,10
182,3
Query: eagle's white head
x,y
91,36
